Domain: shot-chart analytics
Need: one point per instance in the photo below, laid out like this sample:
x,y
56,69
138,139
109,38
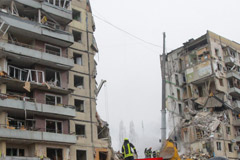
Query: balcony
x,y
37,136
60,12
229,60
234,74
39,108
33,55
28,28
234,91
236,123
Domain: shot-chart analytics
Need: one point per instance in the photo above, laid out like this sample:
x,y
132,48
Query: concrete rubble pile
x,y
205,121
196,156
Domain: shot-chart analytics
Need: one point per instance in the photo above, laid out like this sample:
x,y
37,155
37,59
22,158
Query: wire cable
x,y
126,32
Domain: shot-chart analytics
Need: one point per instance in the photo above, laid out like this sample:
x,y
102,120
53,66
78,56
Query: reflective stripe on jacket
x,y
127,150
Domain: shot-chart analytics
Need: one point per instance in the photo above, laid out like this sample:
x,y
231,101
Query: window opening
x,y
219,147
81,155
53,50
77,59
77,36
78,82
53,126
53,78
80,130
76,15
79,104
54,154
53,100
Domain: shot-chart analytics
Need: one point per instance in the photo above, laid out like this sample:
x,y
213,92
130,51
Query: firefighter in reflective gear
x,y
154,154
127,151
149,153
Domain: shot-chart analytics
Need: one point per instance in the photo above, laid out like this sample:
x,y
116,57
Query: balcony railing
x,y
20,102
21,134
33,47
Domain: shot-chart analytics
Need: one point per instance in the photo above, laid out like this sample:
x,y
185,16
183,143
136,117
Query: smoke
x,y
142,135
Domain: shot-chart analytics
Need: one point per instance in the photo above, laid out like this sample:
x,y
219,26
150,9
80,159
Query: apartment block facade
x,y
203,94
47,82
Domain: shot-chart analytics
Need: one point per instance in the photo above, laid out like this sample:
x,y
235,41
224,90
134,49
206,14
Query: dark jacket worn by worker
x,y
126,149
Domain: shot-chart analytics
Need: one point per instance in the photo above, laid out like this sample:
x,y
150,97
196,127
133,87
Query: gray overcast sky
x,y
131,67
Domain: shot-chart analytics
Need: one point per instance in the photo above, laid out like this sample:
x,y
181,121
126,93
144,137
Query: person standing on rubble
x,y
149,152
127,151
154,154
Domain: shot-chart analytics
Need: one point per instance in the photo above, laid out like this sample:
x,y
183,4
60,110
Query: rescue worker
x,y
127,151
145,152
154,154
149,152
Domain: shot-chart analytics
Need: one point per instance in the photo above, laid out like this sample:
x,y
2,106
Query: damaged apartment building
x,y
203,97
47,82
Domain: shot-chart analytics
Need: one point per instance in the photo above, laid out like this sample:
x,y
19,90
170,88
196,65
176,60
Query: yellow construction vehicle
x,y
169,151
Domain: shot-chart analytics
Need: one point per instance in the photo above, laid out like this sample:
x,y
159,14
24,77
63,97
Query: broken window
x,y
192,58
230,82
53,50
103,155
221,82
15,152
180,109
228,130
77,36
230,147
178,94
77,59
53,126
79,104
17,73
53,77
76,15
219,146
176,78
103,132
219,66
53,100
78,82
35,76
232,53
200,91
54,153
217,52
81,155
80,130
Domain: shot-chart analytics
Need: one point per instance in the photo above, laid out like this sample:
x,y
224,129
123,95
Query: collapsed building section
x,y
203,97
47,82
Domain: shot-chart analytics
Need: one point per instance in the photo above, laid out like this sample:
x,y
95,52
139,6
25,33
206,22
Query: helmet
x,y
125,139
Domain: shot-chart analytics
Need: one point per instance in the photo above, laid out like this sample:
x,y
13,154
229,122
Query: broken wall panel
x,y
198,72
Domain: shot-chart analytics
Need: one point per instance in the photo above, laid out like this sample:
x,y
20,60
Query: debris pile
x,y
196,156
